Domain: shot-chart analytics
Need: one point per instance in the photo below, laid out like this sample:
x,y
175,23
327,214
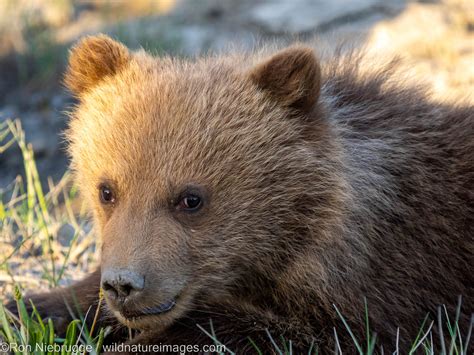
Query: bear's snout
x,y
127,294
122,285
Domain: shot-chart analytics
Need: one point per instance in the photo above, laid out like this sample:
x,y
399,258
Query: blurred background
x,y
435,37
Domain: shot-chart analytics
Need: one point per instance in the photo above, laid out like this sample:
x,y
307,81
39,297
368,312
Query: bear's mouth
x,y
149,311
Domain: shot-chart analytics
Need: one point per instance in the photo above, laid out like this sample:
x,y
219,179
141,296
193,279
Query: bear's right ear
x,y
93,59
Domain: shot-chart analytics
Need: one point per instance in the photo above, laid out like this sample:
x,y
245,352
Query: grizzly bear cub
x,y
260,192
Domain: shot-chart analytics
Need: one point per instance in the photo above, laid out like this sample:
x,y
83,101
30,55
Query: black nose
x,y
122,284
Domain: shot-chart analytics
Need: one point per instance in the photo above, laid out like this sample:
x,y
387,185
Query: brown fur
x,y
323,184
295,88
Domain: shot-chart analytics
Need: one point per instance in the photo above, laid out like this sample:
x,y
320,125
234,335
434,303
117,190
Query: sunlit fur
x,y
327,183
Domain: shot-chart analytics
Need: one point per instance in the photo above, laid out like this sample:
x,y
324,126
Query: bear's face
x,y
197,174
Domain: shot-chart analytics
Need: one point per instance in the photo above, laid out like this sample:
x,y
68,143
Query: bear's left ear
x,y
291,76
91,60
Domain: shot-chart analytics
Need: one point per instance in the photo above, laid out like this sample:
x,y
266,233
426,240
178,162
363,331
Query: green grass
x,y
29,333
423,343
30,220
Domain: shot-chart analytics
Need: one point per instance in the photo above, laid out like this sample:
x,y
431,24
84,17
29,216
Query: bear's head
x,y
206,178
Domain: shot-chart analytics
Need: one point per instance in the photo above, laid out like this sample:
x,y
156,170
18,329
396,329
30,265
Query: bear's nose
x,y
122,284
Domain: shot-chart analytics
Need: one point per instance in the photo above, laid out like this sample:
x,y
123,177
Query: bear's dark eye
x,y
190,203
106,194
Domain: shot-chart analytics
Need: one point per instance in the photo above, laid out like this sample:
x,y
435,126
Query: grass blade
x,y
348,328
213,338
273,342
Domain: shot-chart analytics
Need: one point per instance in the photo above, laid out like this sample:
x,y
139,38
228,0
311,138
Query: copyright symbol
x,y
4,347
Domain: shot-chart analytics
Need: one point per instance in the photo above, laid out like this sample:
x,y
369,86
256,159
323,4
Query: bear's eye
x,y
190,203
106,194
